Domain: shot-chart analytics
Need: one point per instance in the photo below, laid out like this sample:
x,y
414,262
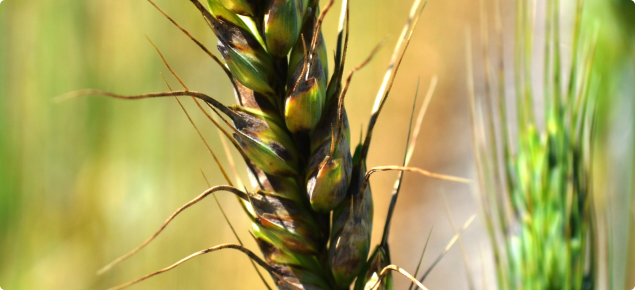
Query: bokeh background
x,y
85,180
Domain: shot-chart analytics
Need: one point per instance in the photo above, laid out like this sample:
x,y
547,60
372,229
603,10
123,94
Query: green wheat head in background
x,y
535,181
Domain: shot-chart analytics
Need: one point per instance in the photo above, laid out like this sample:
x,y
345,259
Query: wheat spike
x,y
539,216
291,128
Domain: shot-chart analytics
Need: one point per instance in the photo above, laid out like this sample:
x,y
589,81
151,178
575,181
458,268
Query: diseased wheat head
x,y
310,204
536,185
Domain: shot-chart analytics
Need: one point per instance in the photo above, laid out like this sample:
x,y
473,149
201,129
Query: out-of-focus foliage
x,y
83,181
623,11
536,181
615,134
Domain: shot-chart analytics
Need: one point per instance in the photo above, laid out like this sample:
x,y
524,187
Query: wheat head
x,y
310,201
536,184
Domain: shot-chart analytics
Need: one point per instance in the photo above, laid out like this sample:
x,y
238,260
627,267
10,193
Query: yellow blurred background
x,y
85,180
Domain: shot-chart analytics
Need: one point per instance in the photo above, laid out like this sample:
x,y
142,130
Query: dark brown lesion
x,y
280,151
234,36
254,126
249,99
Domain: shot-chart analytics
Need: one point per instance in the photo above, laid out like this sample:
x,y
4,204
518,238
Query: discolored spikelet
x,y
287,225
327,185
352,227
266,143
299,269
243,51
305,100
330,168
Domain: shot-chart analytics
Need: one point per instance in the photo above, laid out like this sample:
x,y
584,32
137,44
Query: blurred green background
x,y
85,180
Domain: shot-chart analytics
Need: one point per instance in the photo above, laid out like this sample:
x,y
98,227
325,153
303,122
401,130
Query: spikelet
x,y
306,97
266,142
282,24
243,50
330,168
